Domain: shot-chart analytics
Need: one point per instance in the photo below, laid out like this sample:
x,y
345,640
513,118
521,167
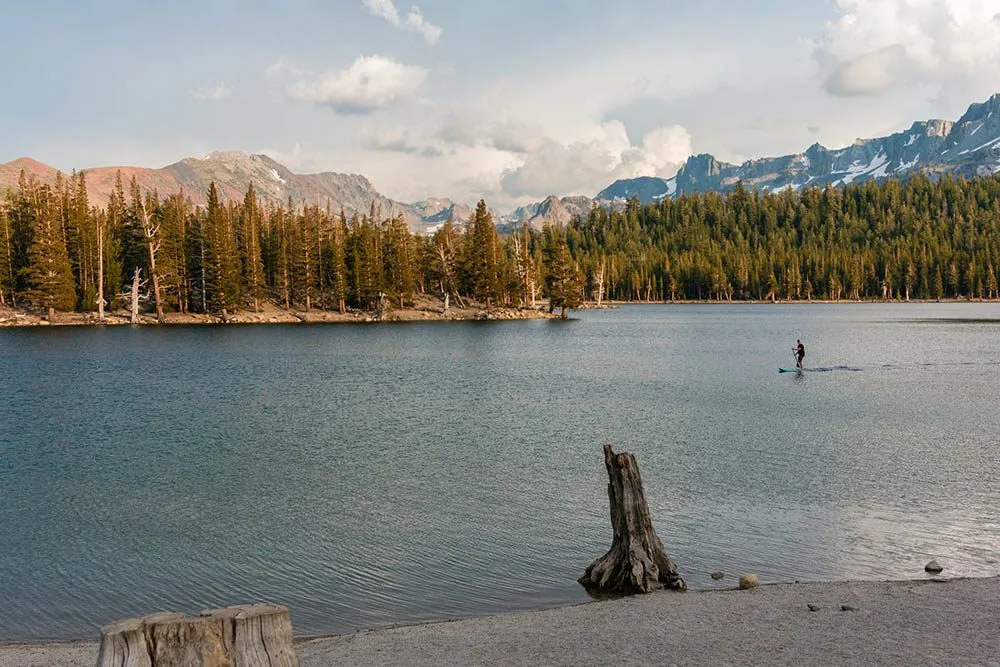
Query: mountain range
x,y
969,147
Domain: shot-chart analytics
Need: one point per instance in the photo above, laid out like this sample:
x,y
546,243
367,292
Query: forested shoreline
x,y
892,240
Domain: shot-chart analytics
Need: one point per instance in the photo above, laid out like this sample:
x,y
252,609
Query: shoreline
x,y
426,310
936,621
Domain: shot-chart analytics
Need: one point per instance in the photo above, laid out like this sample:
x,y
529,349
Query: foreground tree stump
x,y
242,636
637,561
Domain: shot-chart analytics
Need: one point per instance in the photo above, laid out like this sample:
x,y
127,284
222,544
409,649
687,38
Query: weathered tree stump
x,y
242,636
637,561
259,634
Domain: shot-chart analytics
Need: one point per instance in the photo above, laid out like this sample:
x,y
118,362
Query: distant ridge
x,y
969,147
232,172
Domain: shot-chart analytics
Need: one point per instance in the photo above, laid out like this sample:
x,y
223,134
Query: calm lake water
x,y
369,475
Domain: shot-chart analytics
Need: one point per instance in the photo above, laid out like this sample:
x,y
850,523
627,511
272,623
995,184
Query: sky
x,y
509,101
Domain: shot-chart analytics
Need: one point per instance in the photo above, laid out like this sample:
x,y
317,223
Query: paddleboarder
x,y
800,353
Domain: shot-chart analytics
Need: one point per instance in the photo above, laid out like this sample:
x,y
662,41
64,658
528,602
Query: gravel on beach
x,y
924,622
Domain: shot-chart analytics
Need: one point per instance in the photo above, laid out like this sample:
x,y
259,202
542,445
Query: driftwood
x,y
243,636
637,561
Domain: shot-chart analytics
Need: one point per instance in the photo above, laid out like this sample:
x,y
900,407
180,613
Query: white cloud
x,y
874,46
213,92
870,73
414,21
397,140
369,84
283,66
591,164
472,129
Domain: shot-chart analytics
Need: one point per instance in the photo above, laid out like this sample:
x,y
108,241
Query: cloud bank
x,y
369,84
875,46
588,166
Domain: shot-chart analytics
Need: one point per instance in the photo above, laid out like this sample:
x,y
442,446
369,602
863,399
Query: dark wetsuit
x,y
800,353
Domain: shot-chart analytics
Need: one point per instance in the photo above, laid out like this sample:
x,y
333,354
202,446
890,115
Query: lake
x,y
366,475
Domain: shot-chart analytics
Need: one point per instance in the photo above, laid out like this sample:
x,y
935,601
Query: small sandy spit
x,y
926,622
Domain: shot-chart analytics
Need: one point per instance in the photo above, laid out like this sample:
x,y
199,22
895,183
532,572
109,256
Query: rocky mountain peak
x,y
969,146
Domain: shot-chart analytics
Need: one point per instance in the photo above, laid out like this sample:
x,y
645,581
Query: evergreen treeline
x,y
888,240
61,254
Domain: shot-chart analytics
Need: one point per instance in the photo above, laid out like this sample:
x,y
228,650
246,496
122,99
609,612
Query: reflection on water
x,y
374,475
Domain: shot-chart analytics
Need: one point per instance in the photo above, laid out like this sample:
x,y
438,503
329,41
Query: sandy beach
x,y
924,622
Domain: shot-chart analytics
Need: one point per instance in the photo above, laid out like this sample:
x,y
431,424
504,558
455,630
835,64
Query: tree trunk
x,y
135,296
257,635
100,272
600,286
637,561
156,282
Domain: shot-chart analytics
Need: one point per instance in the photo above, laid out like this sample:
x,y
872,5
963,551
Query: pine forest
x,y
890,240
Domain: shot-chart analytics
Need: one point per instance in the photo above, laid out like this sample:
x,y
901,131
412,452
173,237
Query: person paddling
x,y
800,353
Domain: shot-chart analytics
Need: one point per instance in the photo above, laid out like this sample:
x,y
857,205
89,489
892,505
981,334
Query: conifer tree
x,y
81,233
305,252
172,258
483,259
49,274
527,277
399,261
366,262
221,275
112,236
251,224
338,262
6,259
563,281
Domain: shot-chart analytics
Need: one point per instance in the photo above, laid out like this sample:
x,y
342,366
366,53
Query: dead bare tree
x,y
599,284
100,270
151,232
134,295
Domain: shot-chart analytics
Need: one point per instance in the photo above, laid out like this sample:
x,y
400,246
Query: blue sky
x,y
509,100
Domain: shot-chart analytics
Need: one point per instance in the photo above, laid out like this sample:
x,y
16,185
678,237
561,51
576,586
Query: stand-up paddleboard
x,y
790,370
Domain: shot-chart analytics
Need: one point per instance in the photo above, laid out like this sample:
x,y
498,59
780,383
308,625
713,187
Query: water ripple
x,y
372,476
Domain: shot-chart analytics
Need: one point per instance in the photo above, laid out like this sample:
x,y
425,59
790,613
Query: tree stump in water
x,y
242,636
637,561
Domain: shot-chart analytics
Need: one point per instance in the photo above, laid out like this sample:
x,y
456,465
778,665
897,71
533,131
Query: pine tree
x,y
221,271
527,275
483,257
399,261
366,262
81,233
49,274
113,235
6,259
172,258
563,281
305,256
338,262
251,224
